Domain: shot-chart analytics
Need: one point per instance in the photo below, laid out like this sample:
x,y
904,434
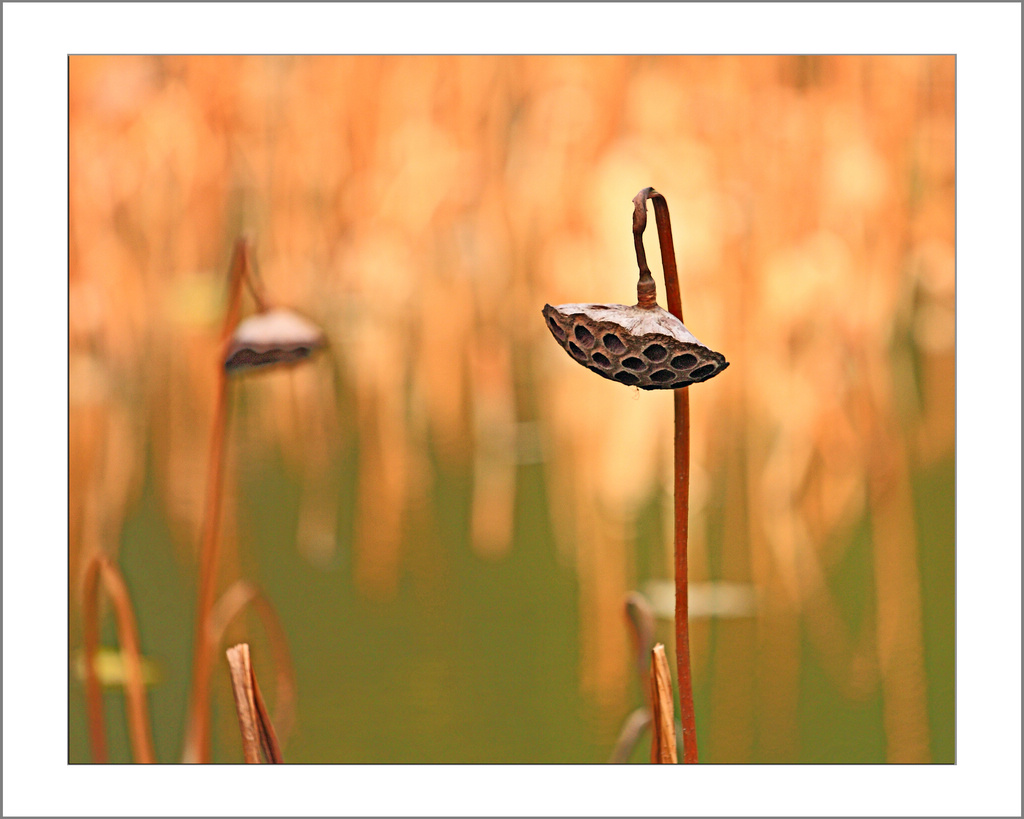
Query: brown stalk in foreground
x,y
253,720
139,729
663,728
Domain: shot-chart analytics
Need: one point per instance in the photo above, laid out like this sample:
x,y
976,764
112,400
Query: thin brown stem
x,y
646,289
681,400
681,458
197,737
240,271
668,254
197,747
139,728
93,694
252,279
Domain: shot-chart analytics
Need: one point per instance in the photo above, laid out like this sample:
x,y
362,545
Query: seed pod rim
x,y
272,337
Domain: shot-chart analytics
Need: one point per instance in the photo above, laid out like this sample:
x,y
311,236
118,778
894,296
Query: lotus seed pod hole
x,y
556,331
614,343
584,336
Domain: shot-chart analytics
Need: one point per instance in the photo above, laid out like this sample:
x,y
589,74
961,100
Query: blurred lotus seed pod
x,y
277,336
643,347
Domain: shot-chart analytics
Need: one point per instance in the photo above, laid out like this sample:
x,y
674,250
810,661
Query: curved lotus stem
x,y
271,337
140,732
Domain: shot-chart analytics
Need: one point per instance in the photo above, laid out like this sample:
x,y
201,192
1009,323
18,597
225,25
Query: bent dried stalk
x,y
240,594
640,618
139,727
635,724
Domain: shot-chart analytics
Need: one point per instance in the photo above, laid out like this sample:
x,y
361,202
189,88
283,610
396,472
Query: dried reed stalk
x,y
257,730
139,728
663,730
245,700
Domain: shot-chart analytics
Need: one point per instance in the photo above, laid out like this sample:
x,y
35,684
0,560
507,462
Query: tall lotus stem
x,y
197,734
681,459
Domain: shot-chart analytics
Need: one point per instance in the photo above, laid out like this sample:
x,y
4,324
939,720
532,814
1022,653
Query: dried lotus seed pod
x,y
276,336
645,347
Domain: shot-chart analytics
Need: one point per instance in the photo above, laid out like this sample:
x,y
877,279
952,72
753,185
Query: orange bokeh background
x,y
422,210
